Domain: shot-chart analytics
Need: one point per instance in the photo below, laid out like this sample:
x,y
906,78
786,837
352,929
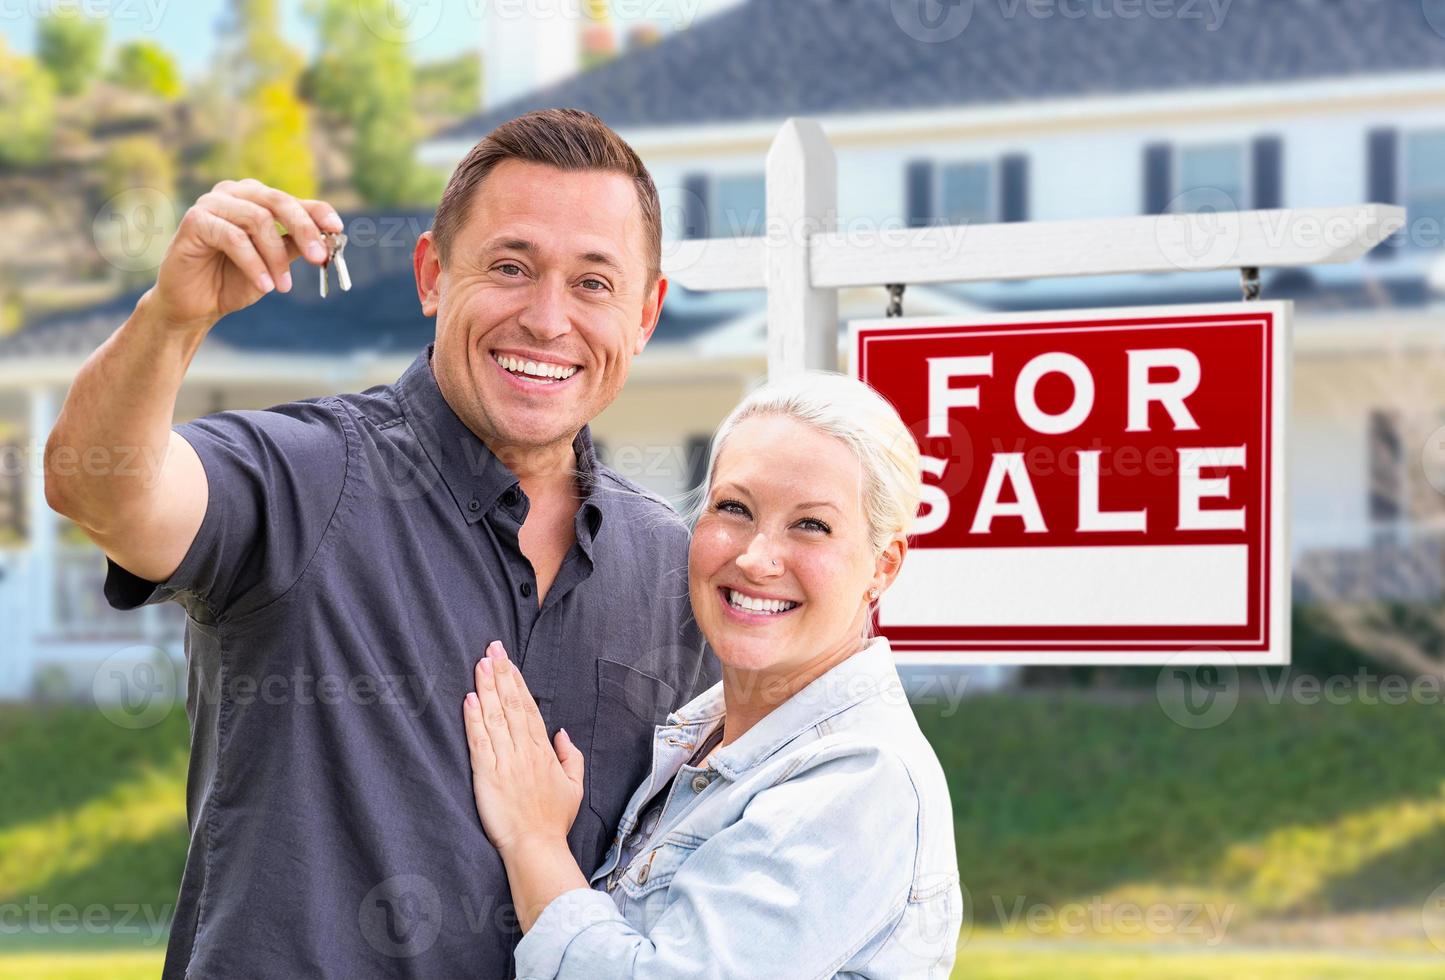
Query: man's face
x,y
545,298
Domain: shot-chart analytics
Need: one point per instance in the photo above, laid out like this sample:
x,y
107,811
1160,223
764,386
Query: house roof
x,y
769,59
380,315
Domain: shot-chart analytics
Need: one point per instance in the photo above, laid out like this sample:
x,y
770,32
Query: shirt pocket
x,y
653,869
630,704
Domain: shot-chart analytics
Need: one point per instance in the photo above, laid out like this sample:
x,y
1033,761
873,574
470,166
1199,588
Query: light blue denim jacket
x,y
818,843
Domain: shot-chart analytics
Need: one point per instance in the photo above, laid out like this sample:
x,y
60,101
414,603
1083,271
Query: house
x,y
995,111
1028,111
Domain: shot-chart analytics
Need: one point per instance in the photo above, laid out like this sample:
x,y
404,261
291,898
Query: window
x,y
1425,185
965,193
1211,178
739,206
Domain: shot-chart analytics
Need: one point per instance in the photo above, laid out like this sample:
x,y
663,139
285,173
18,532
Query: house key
x,y
336,245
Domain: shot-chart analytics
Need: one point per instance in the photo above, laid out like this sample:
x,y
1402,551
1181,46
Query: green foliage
x,y
137,161
365,81
27,110
145,66
1286,809
274,145
70,47
452,87
275,149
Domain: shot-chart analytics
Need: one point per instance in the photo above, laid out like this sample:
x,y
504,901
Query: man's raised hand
x,y
228,251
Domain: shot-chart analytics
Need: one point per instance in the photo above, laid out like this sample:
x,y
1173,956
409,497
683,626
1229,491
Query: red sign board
x,y
1100,486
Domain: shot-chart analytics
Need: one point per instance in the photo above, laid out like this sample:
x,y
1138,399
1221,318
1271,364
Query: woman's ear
x,y
889,563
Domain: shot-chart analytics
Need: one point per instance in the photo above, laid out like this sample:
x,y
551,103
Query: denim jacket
x,y
820,843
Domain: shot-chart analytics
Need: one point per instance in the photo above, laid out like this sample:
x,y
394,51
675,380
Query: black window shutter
x,y
1014,188
695,218
1384,183
920,194
1158,177
1268,172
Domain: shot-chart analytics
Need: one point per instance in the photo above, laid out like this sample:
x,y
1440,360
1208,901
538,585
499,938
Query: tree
x,y
274,150
365,80
27,110
70,47
136,162
144,66
452,87
273,127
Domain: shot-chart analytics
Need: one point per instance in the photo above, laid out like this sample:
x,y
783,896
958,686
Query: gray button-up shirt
x,y
357,555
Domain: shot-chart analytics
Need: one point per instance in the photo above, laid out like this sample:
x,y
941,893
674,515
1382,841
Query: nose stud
x,y
775,563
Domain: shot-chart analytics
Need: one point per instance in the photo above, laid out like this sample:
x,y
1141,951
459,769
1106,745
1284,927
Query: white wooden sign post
x,y
803,260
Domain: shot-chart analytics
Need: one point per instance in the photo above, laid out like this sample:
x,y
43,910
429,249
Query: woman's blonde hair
x,y
848,410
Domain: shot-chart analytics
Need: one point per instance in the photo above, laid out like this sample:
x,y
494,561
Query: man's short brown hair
x,y
568,139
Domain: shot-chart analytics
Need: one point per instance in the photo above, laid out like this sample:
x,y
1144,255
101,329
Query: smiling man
x,y
331,550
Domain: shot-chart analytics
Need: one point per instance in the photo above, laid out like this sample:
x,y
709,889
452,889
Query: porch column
x,y
40,519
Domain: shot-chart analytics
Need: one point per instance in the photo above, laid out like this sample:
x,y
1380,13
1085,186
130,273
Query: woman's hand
x,y
525,791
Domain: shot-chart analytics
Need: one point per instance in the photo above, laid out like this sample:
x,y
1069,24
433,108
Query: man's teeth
x,y
747,602
533,370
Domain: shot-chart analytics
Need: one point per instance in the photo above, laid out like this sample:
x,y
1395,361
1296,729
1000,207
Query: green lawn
x,y
1003,963
992,963
1287,818
1285,812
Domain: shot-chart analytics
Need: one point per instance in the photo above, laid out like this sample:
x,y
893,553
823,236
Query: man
x,y
345,561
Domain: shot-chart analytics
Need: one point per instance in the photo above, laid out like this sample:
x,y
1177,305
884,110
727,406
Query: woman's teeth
x,y
532,371
748,604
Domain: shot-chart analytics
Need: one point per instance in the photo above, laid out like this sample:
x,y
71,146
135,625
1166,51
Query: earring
x,y
873,595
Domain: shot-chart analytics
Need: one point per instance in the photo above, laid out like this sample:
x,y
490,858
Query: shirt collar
x,y
868,672
474,475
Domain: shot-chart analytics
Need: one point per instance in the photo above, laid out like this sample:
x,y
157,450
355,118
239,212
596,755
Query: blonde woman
x,y
795,822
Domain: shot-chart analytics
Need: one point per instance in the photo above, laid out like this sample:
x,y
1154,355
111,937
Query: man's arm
x,y
112,463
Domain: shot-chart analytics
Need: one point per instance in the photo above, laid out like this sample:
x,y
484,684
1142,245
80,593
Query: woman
x,y
795,822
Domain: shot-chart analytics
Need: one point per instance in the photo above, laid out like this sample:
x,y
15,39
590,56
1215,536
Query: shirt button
x,y
642,873
699,782
510,497
474,505
526,590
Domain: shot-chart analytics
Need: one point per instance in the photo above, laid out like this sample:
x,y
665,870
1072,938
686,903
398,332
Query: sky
x,y
187,28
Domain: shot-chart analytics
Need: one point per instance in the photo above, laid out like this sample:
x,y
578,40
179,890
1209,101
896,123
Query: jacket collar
x,y
865,674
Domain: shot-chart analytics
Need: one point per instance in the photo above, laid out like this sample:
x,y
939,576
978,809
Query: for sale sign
x,y
1100,486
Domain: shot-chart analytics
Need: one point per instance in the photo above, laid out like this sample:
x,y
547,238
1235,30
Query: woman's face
x,y
781,563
